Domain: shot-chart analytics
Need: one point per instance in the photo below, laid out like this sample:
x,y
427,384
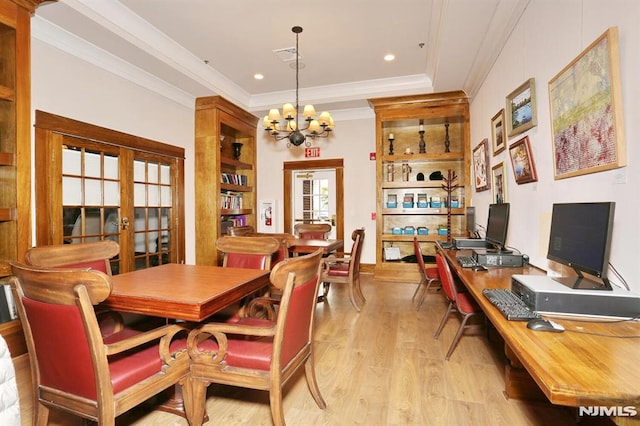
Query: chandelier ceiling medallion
x,y
314,128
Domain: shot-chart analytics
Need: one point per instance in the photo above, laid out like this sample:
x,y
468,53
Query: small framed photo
x,y
524,169
481,166
521,108
498,133
498,173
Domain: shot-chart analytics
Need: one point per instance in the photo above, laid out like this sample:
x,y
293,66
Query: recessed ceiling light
x,y
258,76
389,57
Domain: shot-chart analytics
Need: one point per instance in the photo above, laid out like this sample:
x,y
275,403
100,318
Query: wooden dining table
x,y
183,292
306,246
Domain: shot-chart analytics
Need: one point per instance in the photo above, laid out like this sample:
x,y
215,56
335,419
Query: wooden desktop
x,y
592,363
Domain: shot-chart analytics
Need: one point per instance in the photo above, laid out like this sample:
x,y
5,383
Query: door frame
x,y
289,167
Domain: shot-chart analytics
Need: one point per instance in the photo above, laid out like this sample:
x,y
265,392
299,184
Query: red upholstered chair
x,y
312,231
249,252
73,367
93,255
427,275
259,353
462,303
346,269
238,231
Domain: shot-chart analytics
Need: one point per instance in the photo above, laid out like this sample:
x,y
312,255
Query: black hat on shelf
x,y
420,176
437,175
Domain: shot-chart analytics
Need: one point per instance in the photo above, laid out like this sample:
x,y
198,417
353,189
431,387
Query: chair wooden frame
x,y
462,303
352,277
95,255
427,275
293,276
69,295
237,231
257,251
313,231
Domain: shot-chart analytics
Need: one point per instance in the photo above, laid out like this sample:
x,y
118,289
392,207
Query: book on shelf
x,y
8,311
233,179
231,200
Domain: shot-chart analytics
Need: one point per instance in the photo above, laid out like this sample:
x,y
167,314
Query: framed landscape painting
x,y
521,108
586,111
498,133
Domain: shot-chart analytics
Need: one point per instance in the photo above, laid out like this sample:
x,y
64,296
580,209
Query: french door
x,y
94,189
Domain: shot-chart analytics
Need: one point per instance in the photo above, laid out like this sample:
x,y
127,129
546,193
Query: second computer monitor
x,y
497,226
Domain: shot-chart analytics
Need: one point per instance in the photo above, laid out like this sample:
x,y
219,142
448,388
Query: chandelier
x,y
320,128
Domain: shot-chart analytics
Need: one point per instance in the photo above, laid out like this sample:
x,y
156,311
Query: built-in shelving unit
x,y
420,208
225,185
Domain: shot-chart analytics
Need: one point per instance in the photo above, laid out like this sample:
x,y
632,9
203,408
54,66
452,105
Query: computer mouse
x,y
479,268
539,324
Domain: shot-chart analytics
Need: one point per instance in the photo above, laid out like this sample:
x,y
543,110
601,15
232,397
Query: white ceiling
x,y
185,49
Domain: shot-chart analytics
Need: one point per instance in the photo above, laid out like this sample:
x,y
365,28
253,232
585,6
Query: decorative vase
x,y
237,148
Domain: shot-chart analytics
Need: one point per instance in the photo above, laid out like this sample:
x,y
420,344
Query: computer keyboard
x,y
509,304
467,261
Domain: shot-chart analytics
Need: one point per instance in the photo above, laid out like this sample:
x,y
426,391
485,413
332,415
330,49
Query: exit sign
x,y
312,152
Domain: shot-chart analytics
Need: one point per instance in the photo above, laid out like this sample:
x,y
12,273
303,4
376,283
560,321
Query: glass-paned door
x,y
152,212
90,196
314,199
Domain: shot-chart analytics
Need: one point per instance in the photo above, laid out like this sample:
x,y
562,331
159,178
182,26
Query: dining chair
x,y
250,252
260,353
428,275
236,231
73,367
312,231
94,255
345,268
461,302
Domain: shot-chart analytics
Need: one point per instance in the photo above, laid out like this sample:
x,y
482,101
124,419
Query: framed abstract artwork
x,y
521,108
586,111
481,166
498,133
498,175
524,169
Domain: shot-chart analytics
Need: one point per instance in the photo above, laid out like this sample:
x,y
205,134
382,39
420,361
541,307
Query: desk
x,y
184,292
570,368
306,246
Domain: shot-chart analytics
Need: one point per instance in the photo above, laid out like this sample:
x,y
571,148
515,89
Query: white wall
x,y
353,140
64,85
549,36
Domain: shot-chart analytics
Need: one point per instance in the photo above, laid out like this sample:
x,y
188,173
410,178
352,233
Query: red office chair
x,y
428,275
260,353
75,368
463,303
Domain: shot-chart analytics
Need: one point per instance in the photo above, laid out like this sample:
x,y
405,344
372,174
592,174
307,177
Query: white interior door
x,y
314,198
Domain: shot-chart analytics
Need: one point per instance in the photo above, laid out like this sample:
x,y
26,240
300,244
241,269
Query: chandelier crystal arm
x,y
320,128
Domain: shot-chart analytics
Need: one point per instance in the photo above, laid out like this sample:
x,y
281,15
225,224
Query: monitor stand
x,y
583,283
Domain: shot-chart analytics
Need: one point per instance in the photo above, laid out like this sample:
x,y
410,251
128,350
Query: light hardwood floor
x,y
379,367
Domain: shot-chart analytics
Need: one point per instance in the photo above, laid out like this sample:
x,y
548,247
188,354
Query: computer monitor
x,y
497,226
470,213
580,237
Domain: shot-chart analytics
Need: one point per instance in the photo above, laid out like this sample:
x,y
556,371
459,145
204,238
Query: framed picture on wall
x,y
524,169
498,176
481,166
587,126
521,108
498,133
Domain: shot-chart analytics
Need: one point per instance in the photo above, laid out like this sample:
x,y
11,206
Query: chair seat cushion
x,y
245,351
467,304
131,367
338,269
432,273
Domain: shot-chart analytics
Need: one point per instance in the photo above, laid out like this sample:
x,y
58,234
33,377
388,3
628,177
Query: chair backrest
x,y
418,252
94,255
247,252
356,252
446,279
312,231
299,279
61,330
236,231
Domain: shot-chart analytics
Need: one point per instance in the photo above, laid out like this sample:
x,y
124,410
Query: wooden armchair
x,y
258,353
250,252
346,269
312,231
237,231
73,367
